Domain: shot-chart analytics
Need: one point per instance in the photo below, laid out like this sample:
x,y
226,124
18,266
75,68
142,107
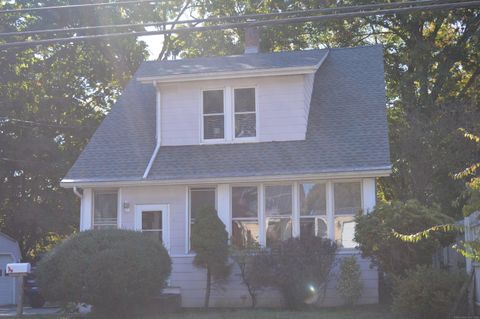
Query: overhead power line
x,y
76,6
269,22
226,18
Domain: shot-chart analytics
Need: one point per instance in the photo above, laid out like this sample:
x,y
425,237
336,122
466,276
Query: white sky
x,y
154,43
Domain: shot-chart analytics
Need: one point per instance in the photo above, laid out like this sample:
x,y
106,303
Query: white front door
x,y
153,221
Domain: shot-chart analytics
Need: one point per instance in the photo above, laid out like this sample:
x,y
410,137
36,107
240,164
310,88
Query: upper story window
x,y
213,115
229,114
105,210
245,117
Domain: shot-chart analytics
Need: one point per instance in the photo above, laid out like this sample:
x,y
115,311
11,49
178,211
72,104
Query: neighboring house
x,y
281,144
472,234
9,253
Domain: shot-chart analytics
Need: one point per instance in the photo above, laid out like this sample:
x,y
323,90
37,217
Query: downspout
x,y
158,132
76,192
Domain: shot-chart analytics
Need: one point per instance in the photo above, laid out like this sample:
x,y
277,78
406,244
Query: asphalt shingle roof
x,y
347,130
247,62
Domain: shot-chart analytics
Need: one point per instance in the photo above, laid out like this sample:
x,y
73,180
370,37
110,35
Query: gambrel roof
x,y
347,126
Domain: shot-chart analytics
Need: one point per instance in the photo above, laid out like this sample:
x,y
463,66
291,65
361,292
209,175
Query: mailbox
x,y
17,269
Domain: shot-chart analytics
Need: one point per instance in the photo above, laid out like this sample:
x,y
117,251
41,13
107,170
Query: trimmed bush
x,y
426,293
350,283
299,268
113,270
210,243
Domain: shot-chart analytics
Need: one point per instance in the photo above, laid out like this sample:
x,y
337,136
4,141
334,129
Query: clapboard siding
x,y
281,103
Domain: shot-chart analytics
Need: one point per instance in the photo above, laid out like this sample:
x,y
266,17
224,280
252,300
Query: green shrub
x,y
426,293
374,234
299,268
210,243
113,270
349,283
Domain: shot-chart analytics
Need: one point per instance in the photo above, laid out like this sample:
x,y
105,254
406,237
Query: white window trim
x,y
229,116
202,131
262,219
119,210
250,138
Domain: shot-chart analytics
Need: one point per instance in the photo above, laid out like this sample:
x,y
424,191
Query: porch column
x,y
223,206
369,195
86,210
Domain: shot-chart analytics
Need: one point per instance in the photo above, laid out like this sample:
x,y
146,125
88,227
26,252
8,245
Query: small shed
x,y
9,253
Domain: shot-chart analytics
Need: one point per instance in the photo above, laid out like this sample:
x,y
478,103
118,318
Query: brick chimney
x,y
252,40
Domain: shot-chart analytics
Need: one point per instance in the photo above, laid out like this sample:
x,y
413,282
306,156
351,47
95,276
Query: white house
x,y
280,143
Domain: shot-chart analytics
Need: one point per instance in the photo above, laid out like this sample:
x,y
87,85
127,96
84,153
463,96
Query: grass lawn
x,y
360,312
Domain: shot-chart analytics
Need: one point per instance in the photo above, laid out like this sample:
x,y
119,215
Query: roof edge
x,y
369,172
231,74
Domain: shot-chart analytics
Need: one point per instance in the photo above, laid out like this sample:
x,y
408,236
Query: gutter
x,y
76,192
352,174
158,133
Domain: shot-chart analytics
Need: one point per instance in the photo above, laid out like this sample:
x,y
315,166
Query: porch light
x,y
126,206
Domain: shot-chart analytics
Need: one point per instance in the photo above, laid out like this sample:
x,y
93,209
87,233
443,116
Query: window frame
x,y
189,211
247,138
117,219
202,116
314,217
247,219
293,216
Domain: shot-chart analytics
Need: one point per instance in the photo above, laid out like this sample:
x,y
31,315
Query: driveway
x,y
8,311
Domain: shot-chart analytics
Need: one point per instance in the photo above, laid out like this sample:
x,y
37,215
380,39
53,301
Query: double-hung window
x,y
245,113
229,115
245,230
105,210
313,210
347,202
278,213
213,115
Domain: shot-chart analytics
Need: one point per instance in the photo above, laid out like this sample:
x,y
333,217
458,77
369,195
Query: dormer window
x,y
245,117
229,115
213,115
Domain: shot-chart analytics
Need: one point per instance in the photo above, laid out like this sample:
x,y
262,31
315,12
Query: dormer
x,y
257,97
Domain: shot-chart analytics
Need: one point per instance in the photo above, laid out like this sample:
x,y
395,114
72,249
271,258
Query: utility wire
x,y
227,18
76,6
4,119
270,22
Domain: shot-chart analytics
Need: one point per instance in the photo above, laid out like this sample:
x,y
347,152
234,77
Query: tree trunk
x,y
207,290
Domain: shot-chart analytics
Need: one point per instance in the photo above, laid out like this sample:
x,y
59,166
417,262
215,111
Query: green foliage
x,y
210,243
426,293
375,233
299,267
349,283
113,270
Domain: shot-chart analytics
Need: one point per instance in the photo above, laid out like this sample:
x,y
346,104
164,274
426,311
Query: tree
x,y
376,239
210,243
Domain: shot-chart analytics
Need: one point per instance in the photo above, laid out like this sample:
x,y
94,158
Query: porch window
x,y
313,210
199,199
105,210
347,202
245,116
213,115
245,228
278,213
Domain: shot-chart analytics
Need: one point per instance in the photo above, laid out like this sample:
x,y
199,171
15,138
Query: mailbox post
x,y
18,270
